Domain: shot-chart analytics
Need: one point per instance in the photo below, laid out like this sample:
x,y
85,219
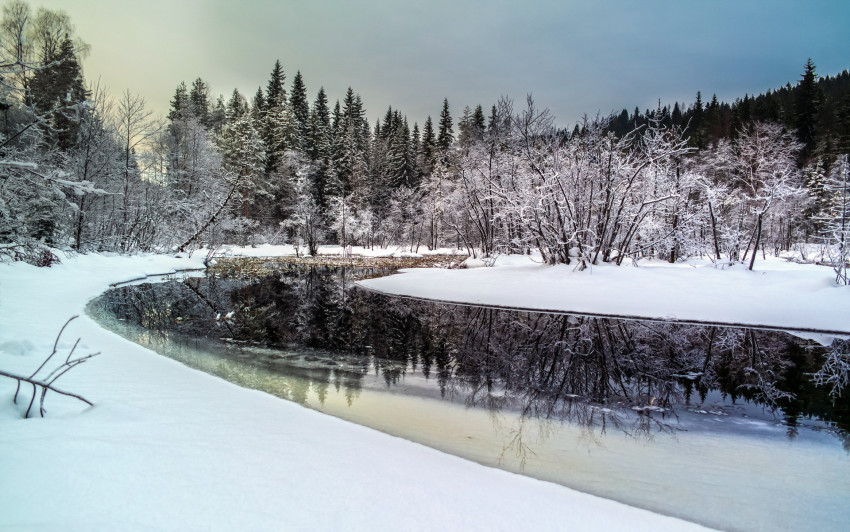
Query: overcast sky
x,y
575,57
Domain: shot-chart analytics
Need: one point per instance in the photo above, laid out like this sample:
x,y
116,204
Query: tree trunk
x,y
756,246
714,230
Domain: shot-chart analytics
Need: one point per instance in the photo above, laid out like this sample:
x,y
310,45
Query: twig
x,y
47,383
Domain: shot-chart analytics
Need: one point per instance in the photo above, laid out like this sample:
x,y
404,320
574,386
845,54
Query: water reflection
x,y
597,372
568,399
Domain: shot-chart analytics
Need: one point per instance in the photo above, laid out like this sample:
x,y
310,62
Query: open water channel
x,y
721,426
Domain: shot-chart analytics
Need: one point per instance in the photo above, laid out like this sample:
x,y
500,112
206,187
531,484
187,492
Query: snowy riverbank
x,y
778,294
167,447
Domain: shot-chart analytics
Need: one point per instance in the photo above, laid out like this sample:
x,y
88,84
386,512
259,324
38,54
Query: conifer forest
x,y
85,170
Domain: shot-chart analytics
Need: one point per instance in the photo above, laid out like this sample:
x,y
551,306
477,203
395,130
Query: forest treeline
x,y
82,170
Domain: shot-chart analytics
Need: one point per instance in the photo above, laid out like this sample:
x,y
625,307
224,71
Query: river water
x,y
721,426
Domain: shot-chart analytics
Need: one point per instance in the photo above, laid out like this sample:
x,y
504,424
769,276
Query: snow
x,y
778,294
166,447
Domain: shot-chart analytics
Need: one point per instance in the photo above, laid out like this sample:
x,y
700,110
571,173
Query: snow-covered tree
x,y
305,217
836,218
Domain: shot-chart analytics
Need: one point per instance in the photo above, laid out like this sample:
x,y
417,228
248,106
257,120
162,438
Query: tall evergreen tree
x,y
464,124
199,96
277,128
676,115
180,102
242,155
317,145
236,106
275,93
478,125
696,128
218,114
57,88
300,110
400,167
415,142
806,106
258,105
352,142
843,125
428,150
445,137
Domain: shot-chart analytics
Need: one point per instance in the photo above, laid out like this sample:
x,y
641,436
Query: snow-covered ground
x,y
778,293
166,447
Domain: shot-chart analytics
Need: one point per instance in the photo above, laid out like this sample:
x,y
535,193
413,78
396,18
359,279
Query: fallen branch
x,y
47,383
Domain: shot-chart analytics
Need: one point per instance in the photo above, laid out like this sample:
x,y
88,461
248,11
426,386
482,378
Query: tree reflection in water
x,y
599,373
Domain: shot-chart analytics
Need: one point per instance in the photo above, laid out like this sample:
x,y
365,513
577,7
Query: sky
x,y
574,57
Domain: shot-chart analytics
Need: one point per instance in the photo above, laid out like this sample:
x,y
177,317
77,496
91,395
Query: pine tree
x,y
258,107
445,137
300,110
843,125
352,143
279,133
180,102
806,106
277,128
236,106
400,167
333,183
275,93
493,123
415,159
697,125
464,136
242,155
428,150
676,116
317,145
478,126
199,101
57,88
218,114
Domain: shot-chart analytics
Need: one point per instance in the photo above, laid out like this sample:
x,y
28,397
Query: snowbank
x,y
167,447
779,294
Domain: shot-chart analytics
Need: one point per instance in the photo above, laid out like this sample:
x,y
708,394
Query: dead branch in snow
x,y
45,384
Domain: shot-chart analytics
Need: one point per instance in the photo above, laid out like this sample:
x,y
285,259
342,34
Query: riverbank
x,y
779,294
165,447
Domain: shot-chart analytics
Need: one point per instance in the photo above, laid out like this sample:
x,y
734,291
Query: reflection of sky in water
x,y
728,466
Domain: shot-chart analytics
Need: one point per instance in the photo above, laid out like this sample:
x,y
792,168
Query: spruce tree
x,y
277,124
806,106
400,166
300,110
275,93
464,124
415,160
179,103
317,145
697,125
429,147
199,101
676,116
236,106
445,137
478,126
57,88
258,107
843,125
242,155
493,124
218,114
